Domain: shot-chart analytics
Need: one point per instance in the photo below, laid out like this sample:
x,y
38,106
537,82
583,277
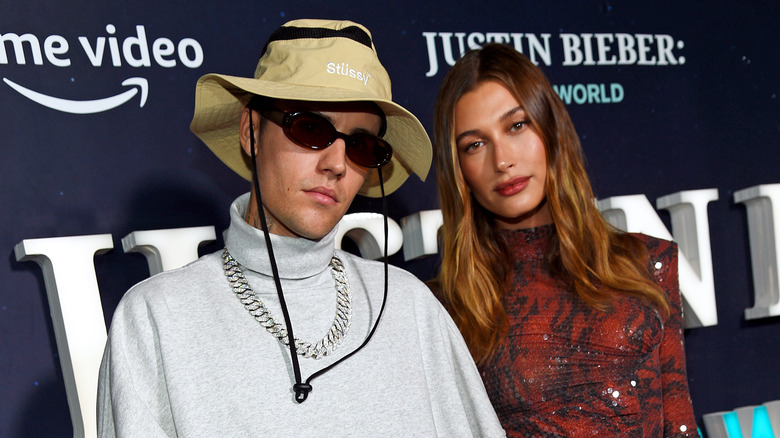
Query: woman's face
x,y
501,156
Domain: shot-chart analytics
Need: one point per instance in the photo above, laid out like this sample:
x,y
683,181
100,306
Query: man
x,y
205,350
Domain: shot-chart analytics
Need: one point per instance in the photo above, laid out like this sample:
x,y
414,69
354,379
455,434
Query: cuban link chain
x,y
325,346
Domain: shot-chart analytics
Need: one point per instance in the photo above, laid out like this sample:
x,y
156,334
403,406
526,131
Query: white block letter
x,y
77,316
420,233
168,249
689,218
763,209
367,231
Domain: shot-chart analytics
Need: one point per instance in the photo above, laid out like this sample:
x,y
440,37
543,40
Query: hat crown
x,y
324,54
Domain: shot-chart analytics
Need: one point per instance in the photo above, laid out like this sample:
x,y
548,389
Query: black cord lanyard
x,y
302,389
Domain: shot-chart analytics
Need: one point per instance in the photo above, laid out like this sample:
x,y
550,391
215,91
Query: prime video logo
x,y
135,52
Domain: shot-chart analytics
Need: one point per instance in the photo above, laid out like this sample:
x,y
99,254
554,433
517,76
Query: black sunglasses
x,y
313,131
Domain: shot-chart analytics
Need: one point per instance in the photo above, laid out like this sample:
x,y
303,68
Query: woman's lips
x,y
514,185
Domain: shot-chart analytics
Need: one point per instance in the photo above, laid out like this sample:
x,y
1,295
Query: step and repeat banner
x,y
675,103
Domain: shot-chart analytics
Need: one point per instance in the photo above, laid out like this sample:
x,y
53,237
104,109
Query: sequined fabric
x,y
568,370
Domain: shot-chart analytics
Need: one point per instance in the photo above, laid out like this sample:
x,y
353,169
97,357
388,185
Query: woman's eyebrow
x,y
464,134
511,112
503,117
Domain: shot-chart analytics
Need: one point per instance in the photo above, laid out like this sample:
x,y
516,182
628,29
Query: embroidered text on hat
x,y
344,70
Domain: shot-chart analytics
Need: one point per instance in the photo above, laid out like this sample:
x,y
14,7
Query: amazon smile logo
x,y
84,106
135,52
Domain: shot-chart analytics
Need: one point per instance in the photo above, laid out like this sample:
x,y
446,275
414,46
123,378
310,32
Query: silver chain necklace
x,y
325,346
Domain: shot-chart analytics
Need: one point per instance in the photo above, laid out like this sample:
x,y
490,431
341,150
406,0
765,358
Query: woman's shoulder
x,y
662,264
657,248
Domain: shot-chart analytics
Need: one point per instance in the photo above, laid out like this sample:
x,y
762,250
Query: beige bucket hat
x,y
313,60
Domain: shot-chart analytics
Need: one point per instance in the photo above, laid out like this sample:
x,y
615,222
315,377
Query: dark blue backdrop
x,y
710,122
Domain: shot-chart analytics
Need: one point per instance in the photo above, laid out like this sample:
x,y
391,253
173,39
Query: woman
x,y
576,326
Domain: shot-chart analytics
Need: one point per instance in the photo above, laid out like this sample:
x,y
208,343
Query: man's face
x,y
306,192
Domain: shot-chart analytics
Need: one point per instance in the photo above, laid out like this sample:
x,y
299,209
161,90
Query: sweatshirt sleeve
x,y
132,396
465,409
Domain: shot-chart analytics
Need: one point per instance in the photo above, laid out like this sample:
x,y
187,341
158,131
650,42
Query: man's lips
x,y
512,186
323,195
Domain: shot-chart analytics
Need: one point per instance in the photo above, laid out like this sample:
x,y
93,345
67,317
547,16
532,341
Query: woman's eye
x,y
472,146
519,125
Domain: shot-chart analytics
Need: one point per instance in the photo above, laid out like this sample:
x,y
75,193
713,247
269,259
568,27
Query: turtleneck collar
x,y
296,257
530,243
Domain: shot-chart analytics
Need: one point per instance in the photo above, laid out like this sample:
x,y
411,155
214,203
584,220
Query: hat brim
x,y
219,100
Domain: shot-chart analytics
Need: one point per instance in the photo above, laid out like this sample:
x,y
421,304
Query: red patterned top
x,y
568,370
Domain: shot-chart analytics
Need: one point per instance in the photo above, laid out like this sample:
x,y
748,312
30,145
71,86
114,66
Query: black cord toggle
x,y
301,391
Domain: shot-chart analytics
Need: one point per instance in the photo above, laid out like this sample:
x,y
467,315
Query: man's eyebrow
x,y
355,130
323,115
359,130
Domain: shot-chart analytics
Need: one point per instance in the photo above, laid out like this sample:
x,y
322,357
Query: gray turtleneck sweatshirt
x,y
185,358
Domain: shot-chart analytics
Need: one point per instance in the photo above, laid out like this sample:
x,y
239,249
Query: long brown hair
x,y
588,254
